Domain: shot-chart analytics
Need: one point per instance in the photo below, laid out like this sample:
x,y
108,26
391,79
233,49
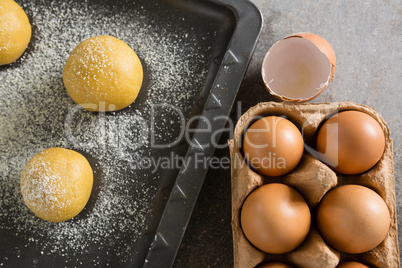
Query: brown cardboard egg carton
x,y
312,179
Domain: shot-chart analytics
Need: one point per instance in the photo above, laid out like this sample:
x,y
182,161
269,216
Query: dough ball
x,y
103,74
56,184
15,31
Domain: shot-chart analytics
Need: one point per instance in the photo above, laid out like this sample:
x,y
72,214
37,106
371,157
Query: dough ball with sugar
x,y
15,31
103,74
56,184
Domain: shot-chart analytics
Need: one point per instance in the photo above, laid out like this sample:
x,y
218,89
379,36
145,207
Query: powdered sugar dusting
x,y
43,191
36,113
92,66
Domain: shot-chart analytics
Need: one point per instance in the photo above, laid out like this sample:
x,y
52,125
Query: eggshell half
x,y
299,67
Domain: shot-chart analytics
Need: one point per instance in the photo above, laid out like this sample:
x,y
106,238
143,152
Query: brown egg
x,y
275,218
274,265
273,146
351,264
298,67
351,142
353,219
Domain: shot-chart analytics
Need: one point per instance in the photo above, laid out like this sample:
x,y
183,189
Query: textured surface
x,y
366,37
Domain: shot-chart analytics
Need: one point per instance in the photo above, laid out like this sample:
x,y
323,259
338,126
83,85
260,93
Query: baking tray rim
x,y
181,202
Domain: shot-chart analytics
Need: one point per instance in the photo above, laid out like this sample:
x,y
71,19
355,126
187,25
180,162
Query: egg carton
x,y
313,179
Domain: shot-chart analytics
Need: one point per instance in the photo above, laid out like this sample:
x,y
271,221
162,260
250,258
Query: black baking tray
x,y
237,25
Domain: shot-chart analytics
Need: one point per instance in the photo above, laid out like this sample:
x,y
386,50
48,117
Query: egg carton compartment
x,y
312,179
194,55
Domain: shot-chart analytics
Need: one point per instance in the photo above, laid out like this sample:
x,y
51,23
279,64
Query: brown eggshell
x,y
322,45
274,265
351,142
351,264
273,146
353,219
297,69
268,218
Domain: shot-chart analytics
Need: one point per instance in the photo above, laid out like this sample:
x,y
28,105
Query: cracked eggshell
x,y
298,67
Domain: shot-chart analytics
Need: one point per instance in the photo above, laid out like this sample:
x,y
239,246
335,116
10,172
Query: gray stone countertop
x,y
367,39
